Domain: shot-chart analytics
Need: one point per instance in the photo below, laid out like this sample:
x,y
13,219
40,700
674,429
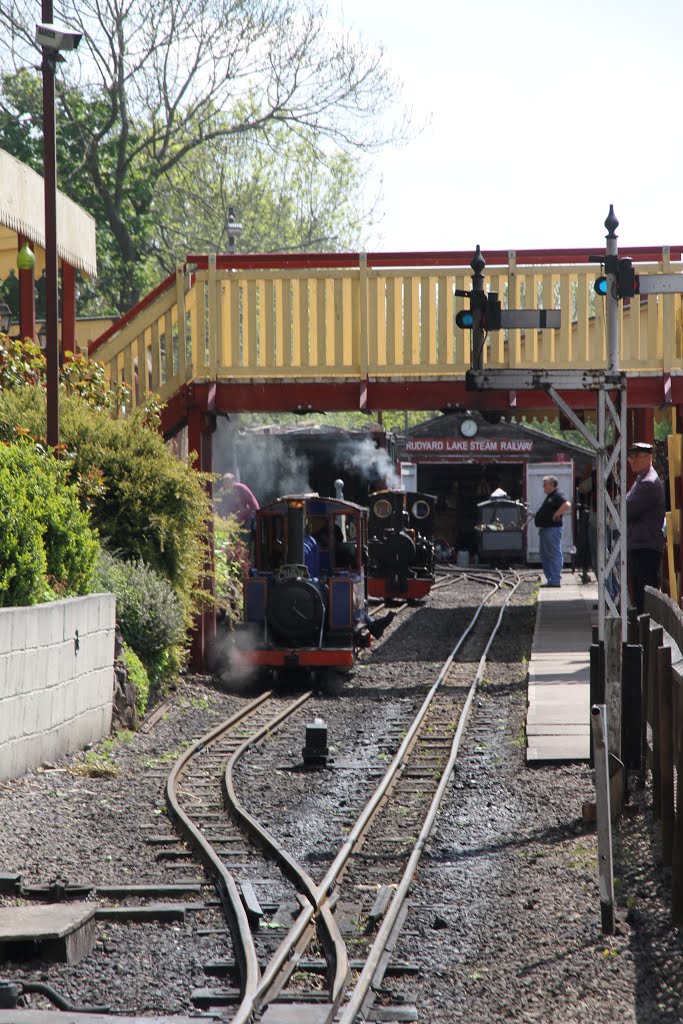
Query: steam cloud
x,y
271,470
370,462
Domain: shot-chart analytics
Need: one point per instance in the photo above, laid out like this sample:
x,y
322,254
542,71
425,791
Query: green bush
x,y
231,565
23,565
46,544
145,502
137,675
149,613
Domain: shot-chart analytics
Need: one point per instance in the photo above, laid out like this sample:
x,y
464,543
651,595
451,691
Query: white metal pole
x,y
611,299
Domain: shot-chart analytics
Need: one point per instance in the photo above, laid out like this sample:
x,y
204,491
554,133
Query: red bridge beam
x,y
350,395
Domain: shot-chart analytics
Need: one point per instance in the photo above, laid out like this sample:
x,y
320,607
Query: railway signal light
x,y
493,318
490,311
464,319
627,281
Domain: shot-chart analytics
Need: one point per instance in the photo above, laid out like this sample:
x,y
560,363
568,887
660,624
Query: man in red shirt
x,y
236,499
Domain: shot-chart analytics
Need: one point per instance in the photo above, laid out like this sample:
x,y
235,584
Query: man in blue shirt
x,y
548,519
645,511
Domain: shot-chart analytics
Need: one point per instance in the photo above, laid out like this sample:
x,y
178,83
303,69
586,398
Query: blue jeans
x,y
550,546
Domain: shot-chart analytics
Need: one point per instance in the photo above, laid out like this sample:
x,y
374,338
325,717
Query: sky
x,y
538,114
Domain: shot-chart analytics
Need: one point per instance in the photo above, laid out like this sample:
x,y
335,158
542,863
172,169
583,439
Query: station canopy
x,y
22,212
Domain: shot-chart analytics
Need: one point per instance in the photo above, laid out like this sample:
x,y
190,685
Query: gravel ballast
x,y
504,921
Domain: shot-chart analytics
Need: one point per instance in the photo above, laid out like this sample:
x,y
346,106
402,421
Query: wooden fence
x,y
348,316
661,637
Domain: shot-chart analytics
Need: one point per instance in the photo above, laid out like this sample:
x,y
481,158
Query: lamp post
x,y
234,230
5,318
52,39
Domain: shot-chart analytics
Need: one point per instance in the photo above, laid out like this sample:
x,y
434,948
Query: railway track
x,y
332,960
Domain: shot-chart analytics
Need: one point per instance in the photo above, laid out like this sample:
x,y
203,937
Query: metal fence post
x,y
596,680
631,710
677,846
644,630
603,814
656,641
665,731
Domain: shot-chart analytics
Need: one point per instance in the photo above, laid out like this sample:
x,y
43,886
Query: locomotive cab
x,y
304,597
401,544
500,530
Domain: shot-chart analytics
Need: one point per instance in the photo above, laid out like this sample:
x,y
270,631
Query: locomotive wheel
x,y
295,611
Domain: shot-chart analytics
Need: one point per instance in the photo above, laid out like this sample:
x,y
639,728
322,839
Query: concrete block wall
x,y
56,679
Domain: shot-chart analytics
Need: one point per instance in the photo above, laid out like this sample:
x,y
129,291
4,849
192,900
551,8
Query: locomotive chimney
x,y
339,490
295,532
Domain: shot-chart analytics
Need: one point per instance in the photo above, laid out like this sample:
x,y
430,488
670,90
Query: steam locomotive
x,y
305,599
401,544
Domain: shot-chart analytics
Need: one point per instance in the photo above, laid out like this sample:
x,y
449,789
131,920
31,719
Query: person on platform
x,y
237,500
645,511
587,496
548,519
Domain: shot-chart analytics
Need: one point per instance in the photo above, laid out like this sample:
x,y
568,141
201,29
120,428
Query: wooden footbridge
x,y
377,331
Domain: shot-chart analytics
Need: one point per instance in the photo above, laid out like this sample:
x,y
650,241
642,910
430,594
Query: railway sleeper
x,y
230,968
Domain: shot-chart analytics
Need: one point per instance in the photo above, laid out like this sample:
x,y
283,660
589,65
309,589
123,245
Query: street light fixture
x,y
234,230
42,337
52,39
5,318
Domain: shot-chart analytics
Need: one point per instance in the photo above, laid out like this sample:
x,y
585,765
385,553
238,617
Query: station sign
x,y
467,446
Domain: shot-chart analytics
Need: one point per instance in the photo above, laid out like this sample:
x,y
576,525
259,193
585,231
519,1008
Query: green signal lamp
x,y
25,258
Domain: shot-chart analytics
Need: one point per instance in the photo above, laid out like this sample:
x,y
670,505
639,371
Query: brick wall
x,y
56,679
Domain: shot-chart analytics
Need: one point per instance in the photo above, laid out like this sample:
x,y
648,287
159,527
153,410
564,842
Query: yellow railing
x,y
359,320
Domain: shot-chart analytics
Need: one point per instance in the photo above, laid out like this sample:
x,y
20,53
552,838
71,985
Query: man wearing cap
x,y
548,519
645,511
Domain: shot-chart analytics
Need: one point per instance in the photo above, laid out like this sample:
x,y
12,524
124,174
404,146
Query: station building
x,y
462,457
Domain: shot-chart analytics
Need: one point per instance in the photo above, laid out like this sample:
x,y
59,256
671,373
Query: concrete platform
x,y
558,716
57,932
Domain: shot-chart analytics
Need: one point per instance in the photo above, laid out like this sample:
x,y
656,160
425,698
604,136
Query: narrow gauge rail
x,y
415,781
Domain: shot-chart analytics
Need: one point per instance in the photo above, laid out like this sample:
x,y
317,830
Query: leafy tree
x,y
392,420
291,195
150,87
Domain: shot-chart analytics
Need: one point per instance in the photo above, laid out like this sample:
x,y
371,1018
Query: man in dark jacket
x,y
645,511
548,519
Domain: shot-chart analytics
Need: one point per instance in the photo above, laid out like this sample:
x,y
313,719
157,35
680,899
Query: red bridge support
x,y
200,429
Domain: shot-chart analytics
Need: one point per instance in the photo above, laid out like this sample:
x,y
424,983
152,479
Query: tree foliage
x,y
289,192
148,90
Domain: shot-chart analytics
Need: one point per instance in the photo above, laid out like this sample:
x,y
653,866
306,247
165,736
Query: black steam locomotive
x,y
305,601
401,544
